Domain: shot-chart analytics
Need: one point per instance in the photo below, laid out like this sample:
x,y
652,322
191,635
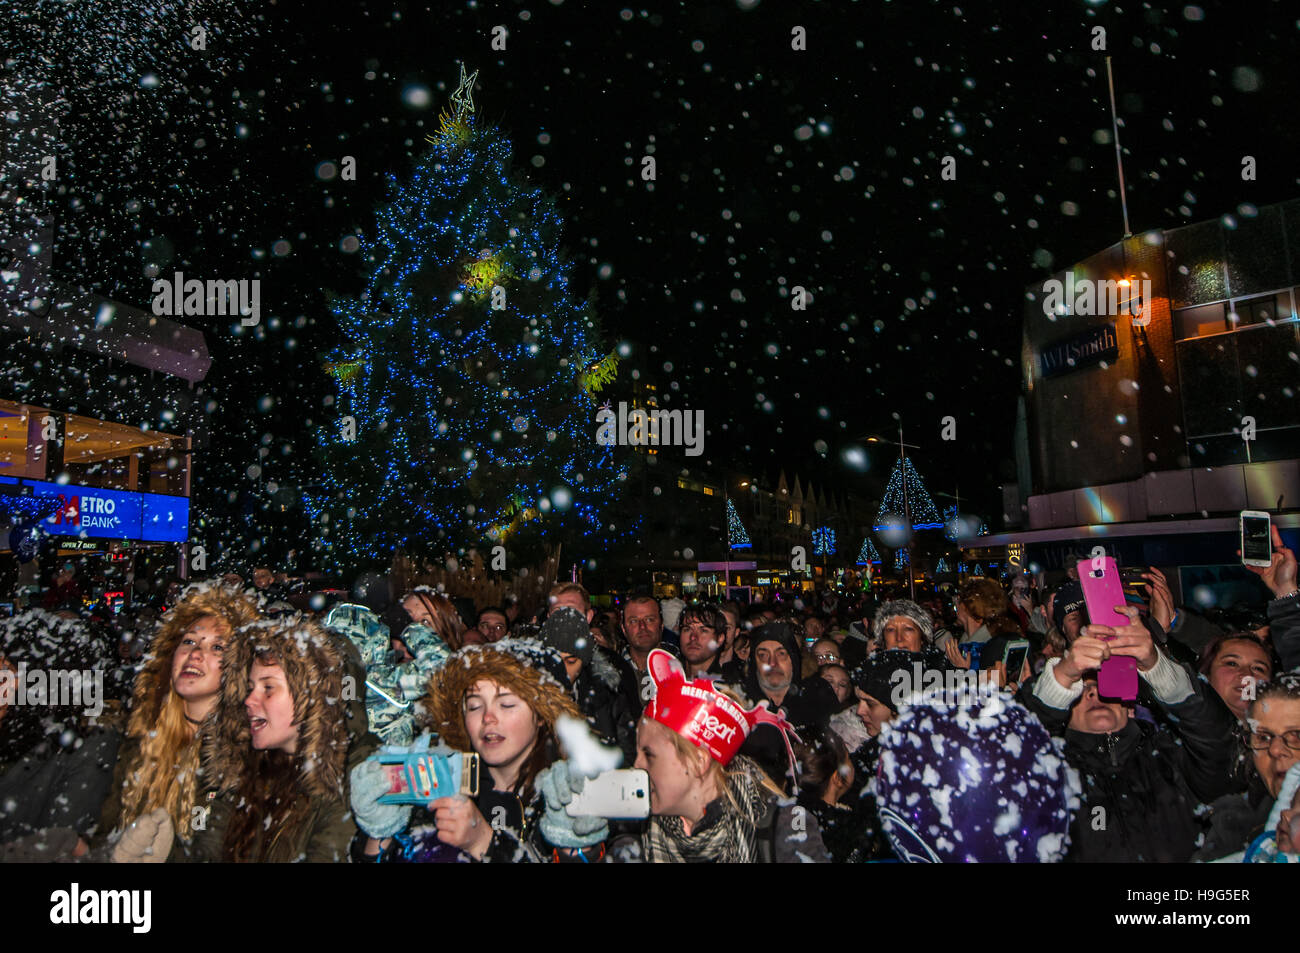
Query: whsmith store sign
x,y
111,514
1083,350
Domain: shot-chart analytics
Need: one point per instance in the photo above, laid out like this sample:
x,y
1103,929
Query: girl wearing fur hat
x,y
501,700
274,755
177,688
707,803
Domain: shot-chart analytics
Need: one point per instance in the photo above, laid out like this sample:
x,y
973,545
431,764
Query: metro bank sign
x,y
112,514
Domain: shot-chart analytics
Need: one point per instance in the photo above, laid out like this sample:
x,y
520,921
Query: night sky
x,y
775,168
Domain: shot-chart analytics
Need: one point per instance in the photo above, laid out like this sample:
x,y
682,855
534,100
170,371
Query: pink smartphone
x,y
1102,591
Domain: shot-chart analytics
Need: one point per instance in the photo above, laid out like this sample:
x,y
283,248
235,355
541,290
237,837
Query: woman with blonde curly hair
x,y
274,756
175,691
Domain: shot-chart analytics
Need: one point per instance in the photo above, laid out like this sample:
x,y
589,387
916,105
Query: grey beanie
x,y
907,608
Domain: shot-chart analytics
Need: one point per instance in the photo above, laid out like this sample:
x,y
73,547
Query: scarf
x,y
724,835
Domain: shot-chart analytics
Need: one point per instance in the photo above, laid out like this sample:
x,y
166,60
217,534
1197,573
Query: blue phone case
x,y
428,776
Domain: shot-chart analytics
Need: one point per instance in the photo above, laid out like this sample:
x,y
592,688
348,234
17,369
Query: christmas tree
x,y
924,513
868,553
737,538
823,541
467,412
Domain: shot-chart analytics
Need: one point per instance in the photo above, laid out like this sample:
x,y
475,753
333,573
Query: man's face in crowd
x,y
775,667
903,633
574,601
492,625
1094,716
733,626
699,642
643,626
1071,625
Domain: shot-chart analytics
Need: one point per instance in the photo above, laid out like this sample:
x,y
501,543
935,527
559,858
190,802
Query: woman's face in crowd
x,y
196,663
1239,665
1274,717
270,709
826,652
902,633
671,780
501,727
873,713
838,679
419,612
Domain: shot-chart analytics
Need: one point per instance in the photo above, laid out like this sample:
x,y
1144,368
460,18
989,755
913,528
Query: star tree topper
x,y
463,97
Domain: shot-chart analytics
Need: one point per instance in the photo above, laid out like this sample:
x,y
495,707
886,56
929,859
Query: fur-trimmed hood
x,y
521,665
153,683
314,666
603,670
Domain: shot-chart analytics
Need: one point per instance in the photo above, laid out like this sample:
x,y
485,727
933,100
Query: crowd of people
x,y
823,726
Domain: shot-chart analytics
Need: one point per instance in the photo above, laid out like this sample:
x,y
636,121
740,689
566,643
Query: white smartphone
x,y
1256,539
622,795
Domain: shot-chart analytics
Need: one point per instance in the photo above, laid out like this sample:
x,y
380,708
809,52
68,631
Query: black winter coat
x,y
1284,630
1235,821
607,693
852,833
1141,786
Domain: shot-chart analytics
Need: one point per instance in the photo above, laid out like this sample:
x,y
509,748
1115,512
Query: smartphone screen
x,y
1014,660
1256,541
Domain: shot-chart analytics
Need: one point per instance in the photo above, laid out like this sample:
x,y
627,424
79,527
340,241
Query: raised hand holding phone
x,y
1280,573
1256,530
1131,641
1103,592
